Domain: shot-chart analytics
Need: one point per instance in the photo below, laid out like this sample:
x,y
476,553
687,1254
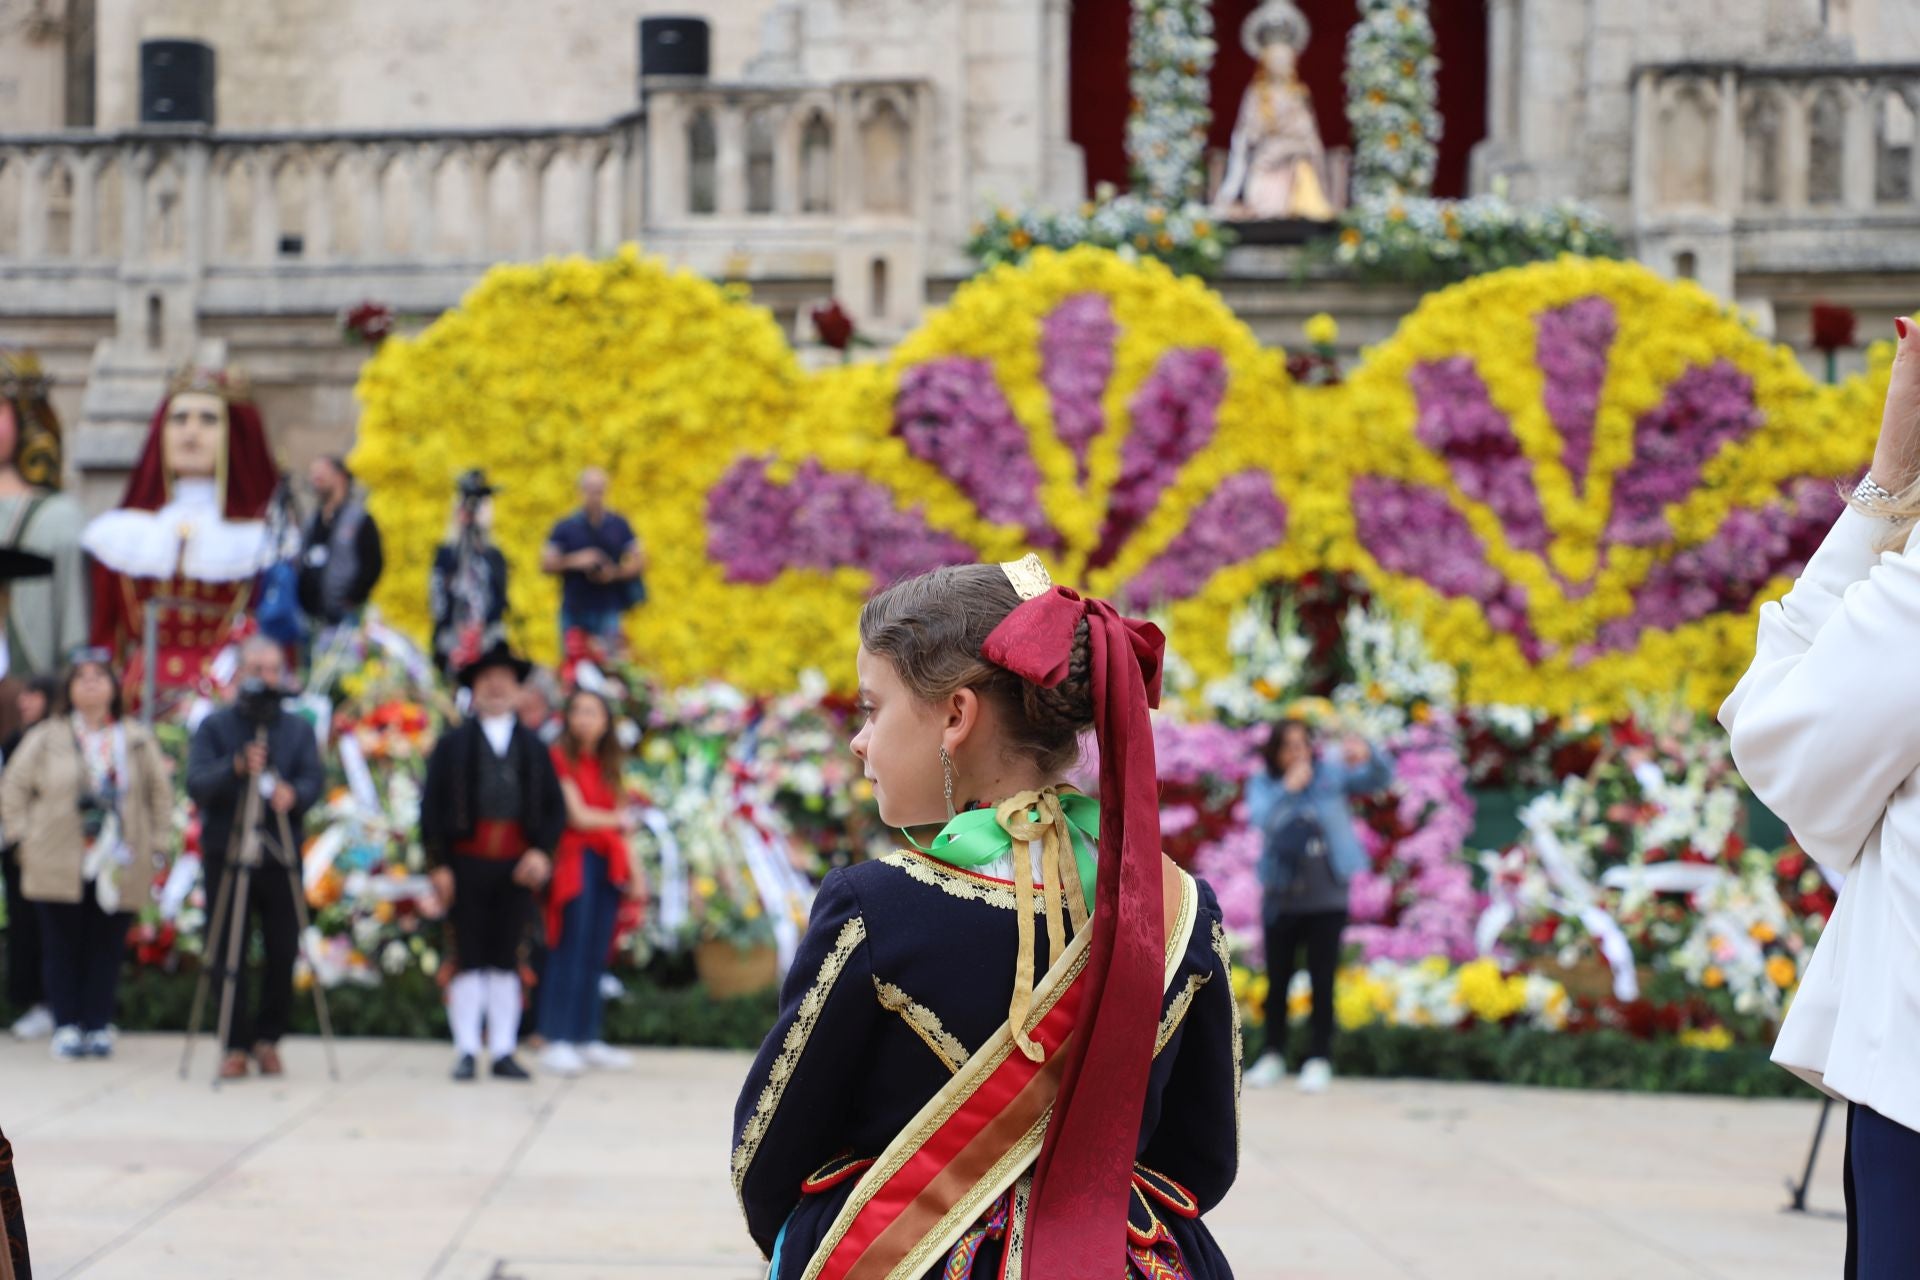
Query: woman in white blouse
x,y
1826,730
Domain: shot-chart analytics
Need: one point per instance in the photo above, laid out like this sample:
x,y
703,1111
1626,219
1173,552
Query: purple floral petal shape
x,y
1174,414
1076,363
1705,408
758,528
1571,348
1240,519
1725,573
953,414
1414,530
1458,421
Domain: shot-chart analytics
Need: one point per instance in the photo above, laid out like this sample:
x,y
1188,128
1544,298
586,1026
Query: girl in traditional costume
x,y
1015,1052
188,539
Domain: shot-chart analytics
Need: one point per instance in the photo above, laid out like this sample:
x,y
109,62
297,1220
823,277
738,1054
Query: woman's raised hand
x,y
1896,460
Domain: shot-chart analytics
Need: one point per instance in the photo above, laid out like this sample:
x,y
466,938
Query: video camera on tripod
x,y
258,703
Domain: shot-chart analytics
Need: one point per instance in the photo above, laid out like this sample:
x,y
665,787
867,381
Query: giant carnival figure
x,y
189,537
48,615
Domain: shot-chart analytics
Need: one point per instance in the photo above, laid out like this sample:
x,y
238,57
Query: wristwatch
x,y
1869,493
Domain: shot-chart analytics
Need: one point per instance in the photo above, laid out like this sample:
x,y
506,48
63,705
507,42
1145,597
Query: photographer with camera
x,y
87,797
252,742
467,591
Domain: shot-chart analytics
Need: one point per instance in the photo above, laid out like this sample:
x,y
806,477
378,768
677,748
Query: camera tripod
x,y
247,852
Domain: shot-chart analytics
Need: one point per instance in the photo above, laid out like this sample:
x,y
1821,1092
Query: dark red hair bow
x,y
1084,1176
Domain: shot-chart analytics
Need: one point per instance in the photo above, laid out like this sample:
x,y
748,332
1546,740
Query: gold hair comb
x,y
1028,576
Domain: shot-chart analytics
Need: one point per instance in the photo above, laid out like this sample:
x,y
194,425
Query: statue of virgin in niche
x,y
1274,167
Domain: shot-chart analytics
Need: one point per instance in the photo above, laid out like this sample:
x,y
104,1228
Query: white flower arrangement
x,y
1392,89
1171,55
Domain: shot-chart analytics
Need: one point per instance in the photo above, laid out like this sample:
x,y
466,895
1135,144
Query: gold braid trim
x,y
852,934
956,883
925,1023
1221,949
1177,1011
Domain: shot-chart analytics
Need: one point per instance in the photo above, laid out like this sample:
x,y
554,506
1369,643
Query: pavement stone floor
x,y
129,1171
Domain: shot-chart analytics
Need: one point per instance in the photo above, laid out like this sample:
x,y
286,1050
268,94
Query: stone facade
x,y
367,149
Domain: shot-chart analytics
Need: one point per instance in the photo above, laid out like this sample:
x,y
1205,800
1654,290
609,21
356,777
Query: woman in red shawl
x,y
188,538
592,872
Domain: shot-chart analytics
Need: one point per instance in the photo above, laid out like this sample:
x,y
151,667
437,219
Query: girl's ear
x,y
962,718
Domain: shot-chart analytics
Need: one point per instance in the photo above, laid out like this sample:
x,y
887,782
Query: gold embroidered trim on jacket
x,y
852,934
1016,1255
1225,953
925,1023
1177,1011
960,884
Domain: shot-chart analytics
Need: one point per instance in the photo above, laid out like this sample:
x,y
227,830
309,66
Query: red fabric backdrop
x,y
1099,79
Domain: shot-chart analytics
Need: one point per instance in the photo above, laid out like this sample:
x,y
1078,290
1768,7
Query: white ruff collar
x,y
189,536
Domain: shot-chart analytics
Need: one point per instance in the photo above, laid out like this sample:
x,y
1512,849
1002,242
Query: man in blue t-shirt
x,y
599,563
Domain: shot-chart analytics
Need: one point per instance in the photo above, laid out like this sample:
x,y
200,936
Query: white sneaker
x,y
35,1024
604,1057
562,1060
1269,1071
98,1044
1316,1075
68,1044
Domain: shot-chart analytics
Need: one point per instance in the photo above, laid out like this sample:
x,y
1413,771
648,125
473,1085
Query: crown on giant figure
x,y
1275,22
230,385
21,377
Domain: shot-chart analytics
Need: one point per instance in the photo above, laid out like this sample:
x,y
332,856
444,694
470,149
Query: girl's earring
x,y
946,767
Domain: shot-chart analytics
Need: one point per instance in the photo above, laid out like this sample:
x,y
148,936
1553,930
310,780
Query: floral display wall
x,y
1580,481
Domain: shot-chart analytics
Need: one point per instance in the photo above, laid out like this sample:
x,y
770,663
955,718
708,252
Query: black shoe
x,y
508,1069
465,1069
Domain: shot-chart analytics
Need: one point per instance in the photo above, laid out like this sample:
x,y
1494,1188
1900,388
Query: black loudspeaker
x,y
673,47
176,82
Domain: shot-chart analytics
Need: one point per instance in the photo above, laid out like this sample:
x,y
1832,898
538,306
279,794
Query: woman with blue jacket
x,y
1309,853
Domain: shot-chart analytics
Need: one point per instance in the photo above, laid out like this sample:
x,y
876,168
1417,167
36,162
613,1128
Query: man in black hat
x,y
491,812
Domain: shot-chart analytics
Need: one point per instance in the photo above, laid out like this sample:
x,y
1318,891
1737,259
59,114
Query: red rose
x,y
1791,865
834,325
1832,326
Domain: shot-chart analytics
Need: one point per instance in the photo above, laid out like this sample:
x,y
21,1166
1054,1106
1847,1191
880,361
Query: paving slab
x,y
393,1171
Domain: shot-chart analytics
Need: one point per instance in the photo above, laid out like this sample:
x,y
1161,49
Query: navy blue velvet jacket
x,y
906,969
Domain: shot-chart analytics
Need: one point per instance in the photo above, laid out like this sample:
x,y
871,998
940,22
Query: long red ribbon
x,y
1082,1180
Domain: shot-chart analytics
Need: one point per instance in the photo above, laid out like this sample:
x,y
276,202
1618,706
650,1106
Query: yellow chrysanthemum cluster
x,y
656,375
1664,329
667,380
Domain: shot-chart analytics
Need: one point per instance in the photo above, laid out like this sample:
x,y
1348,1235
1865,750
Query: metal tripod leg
x,y
206,972
236,955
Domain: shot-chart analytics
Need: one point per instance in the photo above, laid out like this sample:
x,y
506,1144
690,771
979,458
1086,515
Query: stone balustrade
x,y
160,240
1743,169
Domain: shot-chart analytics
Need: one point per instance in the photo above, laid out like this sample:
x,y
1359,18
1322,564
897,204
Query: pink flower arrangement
x,y
1571,350
1239,520
1076,364
953,414
1705,409
1174,414
1457,420
823,520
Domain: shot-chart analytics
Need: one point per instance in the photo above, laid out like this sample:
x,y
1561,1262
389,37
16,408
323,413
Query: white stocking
x,y
503,1013
466,1004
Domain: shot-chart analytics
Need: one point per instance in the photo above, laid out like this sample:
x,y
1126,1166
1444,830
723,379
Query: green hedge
x,y
654,1012
1592,1060
410,1008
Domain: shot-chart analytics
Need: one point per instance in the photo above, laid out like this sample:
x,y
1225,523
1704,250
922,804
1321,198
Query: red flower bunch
x,y
1833,327
833,325
370,322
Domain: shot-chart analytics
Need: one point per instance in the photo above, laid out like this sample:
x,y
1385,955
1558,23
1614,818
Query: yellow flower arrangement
x,y
1583,579
670,381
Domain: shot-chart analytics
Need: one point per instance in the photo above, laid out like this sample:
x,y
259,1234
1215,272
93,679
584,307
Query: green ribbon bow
x,y
976,838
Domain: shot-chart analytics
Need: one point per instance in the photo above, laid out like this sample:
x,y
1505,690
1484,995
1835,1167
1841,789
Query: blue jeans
x,y
1883,1185
570,1005
602,624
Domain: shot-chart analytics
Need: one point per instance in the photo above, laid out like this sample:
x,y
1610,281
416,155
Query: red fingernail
x,y
1900,326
